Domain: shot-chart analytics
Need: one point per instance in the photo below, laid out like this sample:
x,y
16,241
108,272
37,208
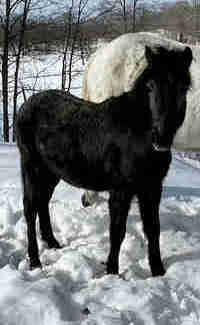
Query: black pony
x,y
121,145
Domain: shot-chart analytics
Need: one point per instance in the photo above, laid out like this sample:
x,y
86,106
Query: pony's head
x,y
167,80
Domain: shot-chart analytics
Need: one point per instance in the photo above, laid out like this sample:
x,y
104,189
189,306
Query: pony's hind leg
x,y
30,210
38,184
48,182
119,204
149,201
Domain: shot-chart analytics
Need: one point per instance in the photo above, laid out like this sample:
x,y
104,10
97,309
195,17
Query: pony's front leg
x,y
119,204
149,201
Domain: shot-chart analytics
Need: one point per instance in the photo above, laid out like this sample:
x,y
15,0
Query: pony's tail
x,y
25,129
25,132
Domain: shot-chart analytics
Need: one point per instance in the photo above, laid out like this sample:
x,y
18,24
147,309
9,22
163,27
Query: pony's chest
x,y
154,166
135,162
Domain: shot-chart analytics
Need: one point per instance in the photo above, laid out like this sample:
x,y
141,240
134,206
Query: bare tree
x,y
6,34
134,4
13,32
68,36
13,17
26,9
75,17
123,5
129,13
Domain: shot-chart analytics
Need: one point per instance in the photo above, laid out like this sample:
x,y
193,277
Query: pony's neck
x,y
138,108
139,92
139,96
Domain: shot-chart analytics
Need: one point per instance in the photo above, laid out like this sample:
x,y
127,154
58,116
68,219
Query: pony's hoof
x,y
85,202
112,268
35,264
53,243
159,271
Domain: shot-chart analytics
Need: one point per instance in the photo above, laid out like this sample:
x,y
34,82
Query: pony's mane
x,y
115,67
136,53
140,66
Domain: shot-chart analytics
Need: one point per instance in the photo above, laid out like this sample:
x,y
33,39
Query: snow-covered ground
x,y
72,288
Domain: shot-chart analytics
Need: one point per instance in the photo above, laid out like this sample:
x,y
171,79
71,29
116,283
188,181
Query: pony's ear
x,y
149,54
187,57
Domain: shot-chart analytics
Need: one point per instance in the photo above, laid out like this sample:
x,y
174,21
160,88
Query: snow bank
x,y
72,288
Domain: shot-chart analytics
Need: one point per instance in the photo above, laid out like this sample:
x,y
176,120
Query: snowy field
x,y
72,288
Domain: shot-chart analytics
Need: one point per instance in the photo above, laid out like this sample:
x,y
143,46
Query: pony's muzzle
x,y
157,140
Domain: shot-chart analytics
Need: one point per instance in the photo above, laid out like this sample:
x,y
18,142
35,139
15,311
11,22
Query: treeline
x,y
32,26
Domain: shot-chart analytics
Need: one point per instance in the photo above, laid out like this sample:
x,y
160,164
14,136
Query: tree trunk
x,y
18,57
134,16
68,34
5,74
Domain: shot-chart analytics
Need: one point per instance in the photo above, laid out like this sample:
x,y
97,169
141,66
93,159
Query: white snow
x,y
72,288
